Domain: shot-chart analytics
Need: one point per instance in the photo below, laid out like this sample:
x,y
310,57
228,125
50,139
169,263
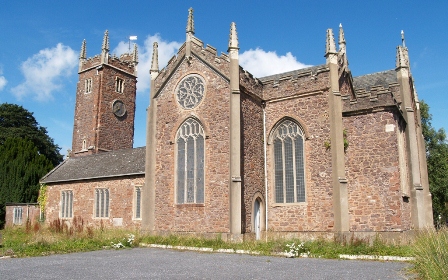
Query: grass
x,y
58,239
430,248
431,254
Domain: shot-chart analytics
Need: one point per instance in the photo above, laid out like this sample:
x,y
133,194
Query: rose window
x,y
190,91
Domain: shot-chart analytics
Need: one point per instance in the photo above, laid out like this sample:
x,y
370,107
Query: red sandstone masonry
x,y
121,203
375,202
316,214
94,120
30,212
253,154
213,113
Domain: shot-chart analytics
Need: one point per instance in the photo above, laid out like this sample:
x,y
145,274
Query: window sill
x,y
289,204
182,205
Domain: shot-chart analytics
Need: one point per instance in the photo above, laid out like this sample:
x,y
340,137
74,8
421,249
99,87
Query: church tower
x,y
105,101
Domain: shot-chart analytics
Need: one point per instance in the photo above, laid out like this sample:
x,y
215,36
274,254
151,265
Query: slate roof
x,y
312,69
103,165
376,79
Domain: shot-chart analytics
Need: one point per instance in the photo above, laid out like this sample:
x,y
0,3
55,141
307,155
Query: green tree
x,y
17,122
437,158
21,167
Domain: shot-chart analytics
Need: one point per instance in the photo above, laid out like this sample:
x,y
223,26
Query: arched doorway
x,y
257,218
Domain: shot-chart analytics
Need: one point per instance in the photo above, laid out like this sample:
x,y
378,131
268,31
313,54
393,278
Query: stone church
x,y
310,152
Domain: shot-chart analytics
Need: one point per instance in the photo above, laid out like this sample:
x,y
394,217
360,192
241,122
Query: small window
x,y
84,145
101,203
88,86
67,204
138,202
119,85
17,219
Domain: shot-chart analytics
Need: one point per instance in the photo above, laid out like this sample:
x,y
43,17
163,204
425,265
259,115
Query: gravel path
x,y
154,263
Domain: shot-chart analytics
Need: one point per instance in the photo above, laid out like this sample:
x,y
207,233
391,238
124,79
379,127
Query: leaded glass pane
x,y
97,208
200,169
180,170
71,205
190,170
289,171
137,202
289,163
106,210
190,162
17,220
278,155
300,172
63,204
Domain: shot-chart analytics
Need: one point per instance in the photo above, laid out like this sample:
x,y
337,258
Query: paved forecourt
x,y
155,263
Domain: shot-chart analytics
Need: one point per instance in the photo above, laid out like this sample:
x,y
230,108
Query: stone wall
x,y
213,114
30,212
309,108
253,155
121,201
373,173
94,119
114,132
86,111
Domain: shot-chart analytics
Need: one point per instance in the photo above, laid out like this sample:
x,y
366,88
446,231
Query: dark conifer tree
x,y
17,122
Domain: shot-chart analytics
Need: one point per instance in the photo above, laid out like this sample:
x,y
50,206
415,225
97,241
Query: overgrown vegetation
x,y
59,238
431,254
430,248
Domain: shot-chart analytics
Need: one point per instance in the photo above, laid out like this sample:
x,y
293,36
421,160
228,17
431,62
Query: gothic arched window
x,y
289,163
190,162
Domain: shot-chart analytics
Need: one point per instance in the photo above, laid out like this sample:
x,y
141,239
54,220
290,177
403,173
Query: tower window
x,y
88,85
119,85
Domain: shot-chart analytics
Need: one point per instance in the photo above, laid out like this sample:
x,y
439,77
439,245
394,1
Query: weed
x,y
28,225
36,227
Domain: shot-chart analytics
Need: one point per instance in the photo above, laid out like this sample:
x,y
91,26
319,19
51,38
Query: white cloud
x,y
45,71
258,62
261,63
166,51
3,80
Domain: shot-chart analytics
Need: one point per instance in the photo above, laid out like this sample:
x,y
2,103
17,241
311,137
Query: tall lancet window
x,y
289,163
190,162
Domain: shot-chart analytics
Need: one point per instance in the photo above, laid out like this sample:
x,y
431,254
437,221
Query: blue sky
x,y
41,40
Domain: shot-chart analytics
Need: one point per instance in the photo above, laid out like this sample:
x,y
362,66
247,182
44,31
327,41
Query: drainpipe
x,y
265,169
